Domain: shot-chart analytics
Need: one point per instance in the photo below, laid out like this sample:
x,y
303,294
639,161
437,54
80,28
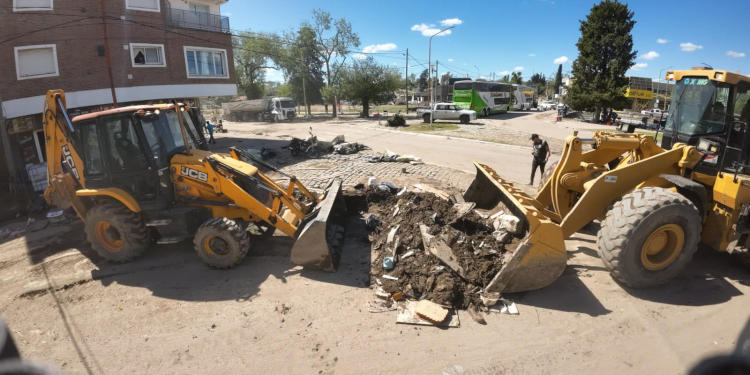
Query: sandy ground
x,y
166,313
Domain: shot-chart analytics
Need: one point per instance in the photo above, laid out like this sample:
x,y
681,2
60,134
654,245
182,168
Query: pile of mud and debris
x,y
435,247
312,146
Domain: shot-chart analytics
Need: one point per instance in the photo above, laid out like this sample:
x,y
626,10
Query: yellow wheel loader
x,y
136,176
656,204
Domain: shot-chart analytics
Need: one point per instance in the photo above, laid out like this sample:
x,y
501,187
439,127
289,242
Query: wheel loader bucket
x,y
320,236
540,257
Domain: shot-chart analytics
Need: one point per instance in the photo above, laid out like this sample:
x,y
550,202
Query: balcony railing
x,y
188,19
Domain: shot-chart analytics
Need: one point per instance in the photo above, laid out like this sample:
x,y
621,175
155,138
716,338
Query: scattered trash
x,y
372,181
489,298
477,315
389,263
390,156
505,307
389,277
348,148
313,147
407,315
442,251
509,223
372,221
379,306
380,293
401,192
407,254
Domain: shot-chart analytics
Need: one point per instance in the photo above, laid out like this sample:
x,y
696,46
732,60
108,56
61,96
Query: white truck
x,y
655,112
265,109
447,111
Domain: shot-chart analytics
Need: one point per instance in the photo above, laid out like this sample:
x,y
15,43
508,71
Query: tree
x,y
332,39
423,81
303,68
252,56
515,77
605,53
539,82
369,83
558,79
505,79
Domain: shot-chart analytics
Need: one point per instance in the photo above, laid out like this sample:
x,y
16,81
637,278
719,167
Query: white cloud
x,y
450,60
690,47
532,54
373,48
518,69
503,73
735,54
429,30
359,56
451,22
661,41
561,60
640,66
482,77
274,75
650,55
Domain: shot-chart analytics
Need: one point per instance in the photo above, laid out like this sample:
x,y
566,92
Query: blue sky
x,y
524,35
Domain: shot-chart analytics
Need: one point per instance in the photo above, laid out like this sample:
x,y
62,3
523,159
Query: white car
x,y
546,105
655,112
447,111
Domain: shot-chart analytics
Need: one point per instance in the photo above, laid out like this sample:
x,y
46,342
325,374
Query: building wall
x,y
79,39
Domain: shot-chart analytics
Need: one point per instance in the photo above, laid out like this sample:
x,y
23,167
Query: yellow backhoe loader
x,y
136,175
655,204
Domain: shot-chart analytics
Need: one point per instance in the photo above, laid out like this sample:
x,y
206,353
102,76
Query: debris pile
x,y
314,147
389,156
426,248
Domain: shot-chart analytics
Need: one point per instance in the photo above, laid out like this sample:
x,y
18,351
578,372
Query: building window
x,y
147,55
31,5
206,62
147,5
199,8
36,61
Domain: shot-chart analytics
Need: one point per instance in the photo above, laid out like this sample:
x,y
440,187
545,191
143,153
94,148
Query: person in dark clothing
x,y
540,152
210,128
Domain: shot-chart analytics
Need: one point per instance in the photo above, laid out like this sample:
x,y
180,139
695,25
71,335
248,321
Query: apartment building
x,y
102,53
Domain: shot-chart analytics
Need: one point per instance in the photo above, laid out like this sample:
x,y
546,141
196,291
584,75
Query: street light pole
x,y
429,68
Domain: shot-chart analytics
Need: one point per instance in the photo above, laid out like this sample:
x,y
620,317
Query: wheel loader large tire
x,y
221,243
649,236
116,233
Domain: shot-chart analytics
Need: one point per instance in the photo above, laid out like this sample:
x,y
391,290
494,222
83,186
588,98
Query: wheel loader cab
x,y
710,110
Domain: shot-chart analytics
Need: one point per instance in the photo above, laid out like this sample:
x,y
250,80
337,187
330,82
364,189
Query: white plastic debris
x,y
389,277
401,192
372,181
509,223
407,254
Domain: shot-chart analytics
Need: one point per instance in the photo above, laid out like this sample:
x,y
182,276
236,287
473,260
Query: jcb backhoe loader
x,y
135,177
655,204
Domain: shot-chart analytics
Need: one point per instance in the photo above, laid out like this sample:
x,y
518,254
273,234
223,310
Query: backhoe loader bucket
x,y
540,257
320,236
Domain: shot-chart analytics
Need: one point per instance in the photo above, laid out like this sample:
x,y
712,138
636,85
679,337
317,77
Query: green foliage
x,y
539,82
302,67
558,79
397,120
252,55
505,79
369,83
423,81
605,53
515,77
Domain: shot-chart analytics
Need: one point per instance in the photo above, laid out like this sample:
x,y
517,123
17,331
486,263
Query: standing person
x,y
540,151
210,128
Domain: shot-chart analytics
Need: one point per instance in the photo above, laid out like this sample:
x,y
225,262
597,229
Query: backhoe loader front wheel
x,y
116,233
649,236
221,242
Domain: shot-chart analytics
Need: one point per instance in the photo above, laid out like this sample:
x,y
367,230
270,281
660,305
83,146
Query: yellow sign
x,y
639,94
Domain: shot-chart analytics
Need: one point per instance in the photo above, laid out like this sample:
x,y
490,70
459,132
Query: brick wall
x,y
75,27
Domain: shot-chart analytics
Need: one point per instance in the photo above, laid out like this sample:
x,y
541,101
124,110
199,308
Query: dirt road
x,y
166,313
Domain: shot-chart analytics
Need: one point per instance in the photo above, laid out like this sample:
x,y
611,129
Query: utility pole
x,y
429,68
437,81
407,82
107,55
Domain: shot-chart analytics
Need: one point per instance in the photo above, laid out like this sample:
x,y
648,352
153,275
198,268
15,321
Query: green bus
x,y
483,97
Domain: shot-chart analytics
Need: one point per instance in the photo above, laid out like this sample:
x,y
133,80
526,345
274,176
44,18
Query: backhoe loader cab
x,y
141,174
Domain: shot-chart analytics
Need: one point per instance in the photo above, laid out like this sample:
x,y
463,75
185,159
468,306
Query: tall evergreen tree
x,y
605,53
558,79
516,78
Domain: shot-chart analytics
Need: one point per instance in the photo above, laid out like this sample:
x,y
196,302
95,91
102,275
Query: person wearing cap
x,y
540,151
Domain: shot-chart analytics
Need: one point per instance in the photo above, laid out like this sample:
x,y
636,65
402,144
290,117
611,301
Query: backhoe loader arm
x,y
64,163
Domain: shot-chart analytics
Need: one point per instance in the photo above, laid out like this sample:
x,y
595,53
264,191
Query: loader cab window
x,y
125,152
700,107
163,135
92,154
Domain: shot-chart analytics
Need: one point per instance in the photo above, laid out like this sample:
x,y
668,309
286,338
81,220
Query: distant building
x,y
130,51
646,92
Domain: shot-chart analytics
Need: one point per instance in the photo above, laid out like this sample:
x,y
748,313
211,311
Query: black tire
x,y
221,243
464,119
632,220
116,233
426,118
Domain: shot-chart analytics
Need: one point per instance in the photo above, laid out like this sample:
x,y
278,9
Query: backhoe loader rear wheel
x,y
221,242
649,236
116,233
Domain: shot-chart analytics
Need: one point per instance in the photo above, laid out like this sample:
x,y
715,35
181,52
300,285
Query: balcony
x,y
188,19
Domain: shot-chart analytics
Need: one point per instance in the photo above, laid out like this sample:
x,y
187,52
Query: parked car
x,y
546,105
654,112
447,111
